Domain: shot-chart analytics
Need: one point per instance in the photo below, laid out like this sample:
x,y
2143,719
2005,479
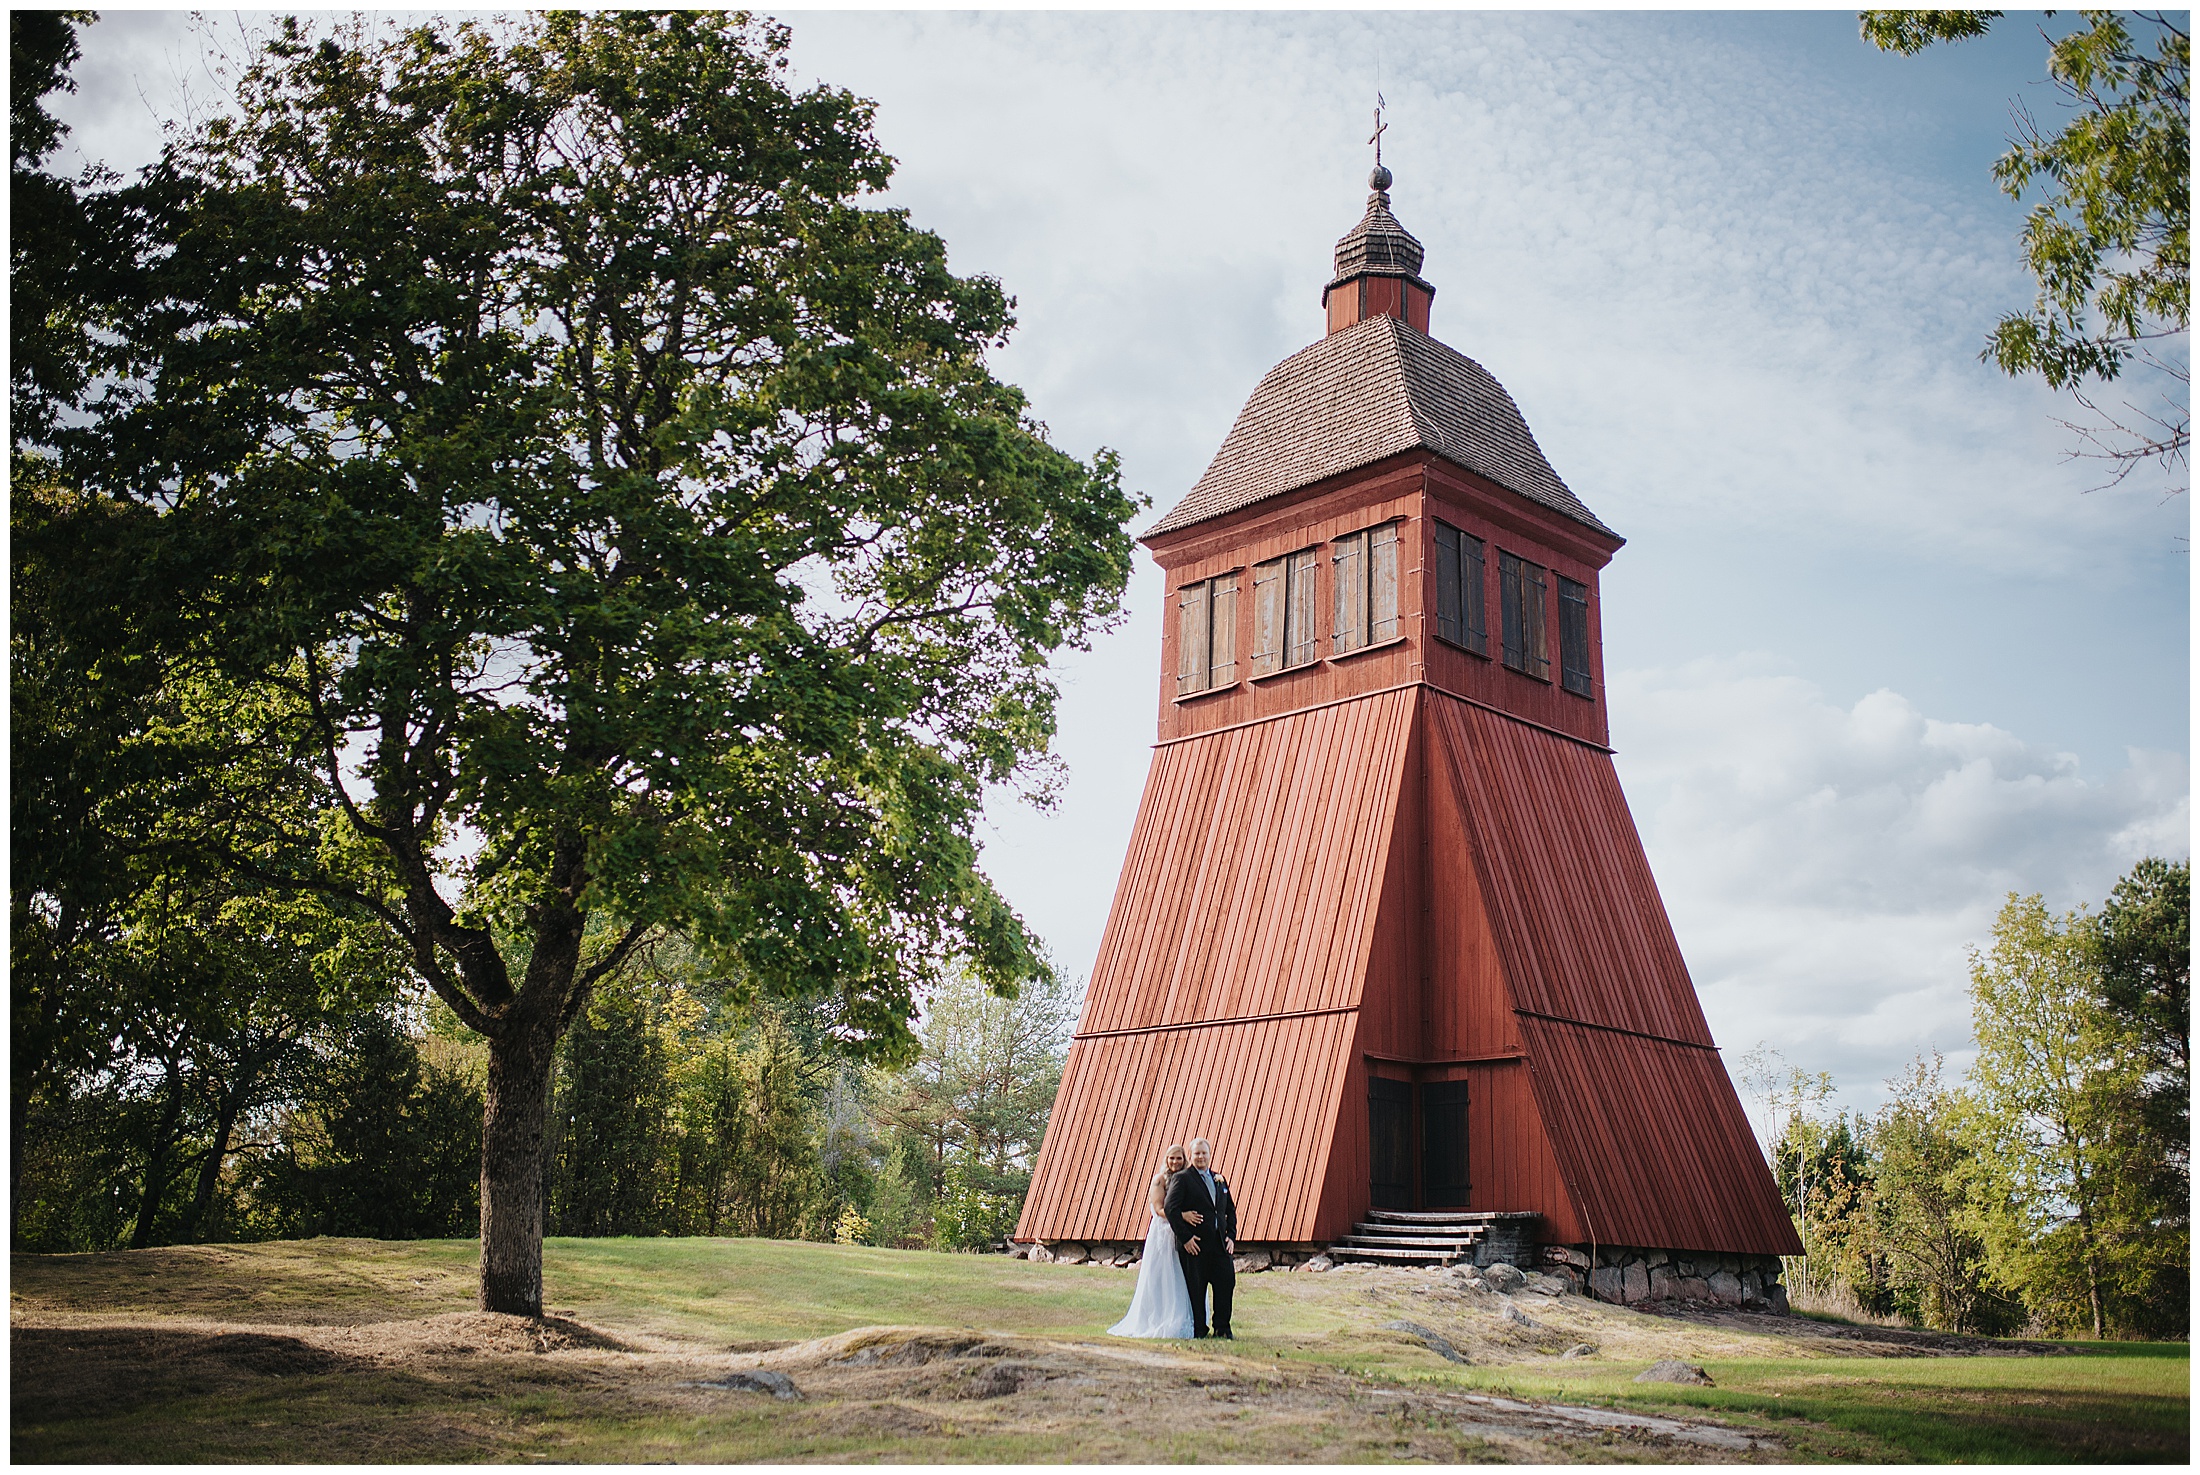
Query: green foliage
x,y
2053,1093
1938,1267
2110,243
385,1144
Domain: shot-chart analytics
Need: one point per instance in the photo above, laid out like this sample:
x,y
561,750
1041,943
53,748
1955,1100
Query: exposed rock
x,y
1547,1285
1504,1277
1071,1253
1726,1287
1673,1370
1520,1318
1580,1349
1002,1379
1040,1255
763,1380
1776,1295
1634,1284
1565,1255
1433,1340
1252,1262
1019,1251
1124,1262
1319,1262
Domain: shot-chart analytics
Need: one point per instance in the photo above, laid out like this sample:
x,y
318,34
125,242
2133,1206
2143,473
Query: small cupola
x,y
1378,268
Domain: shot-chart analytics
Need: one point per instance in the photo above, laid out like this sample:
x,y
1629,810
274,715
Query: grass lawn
x,y
359,1350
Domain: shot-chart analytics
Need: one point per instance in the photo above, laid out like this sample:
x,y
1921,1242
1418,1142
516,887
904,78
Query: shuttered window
x,y
1206,635
1573,637
1286,613
1522,592
1461,606
1365,588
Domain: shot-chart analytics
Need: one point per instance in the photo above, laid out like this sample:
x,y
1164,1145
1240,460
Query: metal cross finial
x,y
1376,138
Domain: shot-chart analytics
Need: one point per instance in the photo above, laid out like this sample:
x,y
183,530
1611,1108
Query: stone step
x,y
1448,1216
1411,1242
1410,1257
1473,1232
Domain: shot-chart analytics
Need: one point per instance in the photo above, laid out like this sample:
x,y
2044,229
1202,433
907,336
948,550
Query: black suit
x,y
1211,1266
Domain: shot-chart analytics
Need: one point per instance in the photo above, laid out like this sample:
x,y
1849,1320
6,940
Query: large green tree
x,y
2109,238
2054,1122
536,411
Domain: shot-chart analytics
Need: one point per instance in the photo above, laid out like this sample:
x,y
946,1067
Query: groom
x,y
1204,1218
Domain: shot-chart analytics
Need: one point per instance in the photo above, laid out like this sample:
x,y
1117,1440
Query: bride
x,y
1161,1306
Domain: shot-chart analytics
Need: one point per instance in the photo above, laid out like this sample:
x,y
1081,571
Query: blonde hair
x,y
1157,1190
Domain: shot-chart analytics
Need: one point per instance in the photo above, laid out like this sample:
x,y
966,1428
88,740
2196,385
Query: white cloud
x,y
1826,866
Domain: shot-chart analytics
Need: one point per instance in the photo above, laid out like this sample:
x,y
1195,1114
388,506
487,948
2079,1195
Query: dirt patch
x,y
467,1334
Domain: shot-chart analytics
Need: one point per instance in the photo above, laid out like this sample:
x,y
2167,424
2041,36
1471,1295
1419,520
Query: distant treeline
x,y
2048,1188
679,1107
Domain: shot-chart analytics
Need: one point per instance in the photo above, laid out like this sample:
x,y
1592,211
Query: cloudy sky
x,y
1877,655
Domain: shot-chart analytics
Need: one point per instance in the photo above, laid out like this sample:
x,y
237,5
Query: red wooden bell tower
x,y
1385,931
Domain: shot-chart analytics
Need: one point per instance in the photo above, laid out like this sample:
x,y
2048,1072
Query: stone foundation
x,y
1622,1274
1628,1275
1250,1259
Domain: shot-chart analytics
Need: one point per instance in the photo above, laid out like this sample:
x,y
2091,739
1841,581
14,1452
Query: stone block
x,y
1693,1288
1604,1283
1685,1267
1726,1288
1252,1262
1318,1263
1071,1253
1656,1258
1776,1296
1039,1254
1664,1284
1504,1277
1635,1283
1564,1255
1673,1370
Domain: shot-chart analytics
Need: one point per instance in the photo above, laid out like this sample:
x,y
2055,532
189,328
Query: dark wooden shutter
x,y
1535,597
1348,588
1191,640
1510,608
1449,625
1573,636
1382,583
1444,1182
1474,594
1302,614
1222,633
1390,1143
1268,621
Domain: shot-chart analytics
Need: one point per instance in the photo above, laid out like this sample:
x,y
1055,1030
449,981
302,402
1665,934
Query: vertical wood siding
x,y
1572,902
1265,1092
1654,1140
1250,894
1254,870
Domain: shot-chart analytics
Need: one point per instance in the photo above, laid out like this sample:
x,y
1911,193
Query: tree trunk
x,y
514,1118
210,1171
156,1161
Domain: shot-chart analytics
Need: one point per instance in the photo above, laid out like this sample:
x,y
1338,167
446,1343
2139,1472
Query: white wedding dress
x,y
1161,1306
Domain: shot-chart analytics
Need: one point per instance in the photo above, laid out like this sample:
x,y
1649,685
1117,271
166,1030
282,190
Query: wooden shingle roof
x,y
1372,390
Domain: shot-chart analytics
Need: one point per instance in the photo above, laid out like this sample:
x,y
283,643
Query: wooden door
x,y
1444,1182
1390,1143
